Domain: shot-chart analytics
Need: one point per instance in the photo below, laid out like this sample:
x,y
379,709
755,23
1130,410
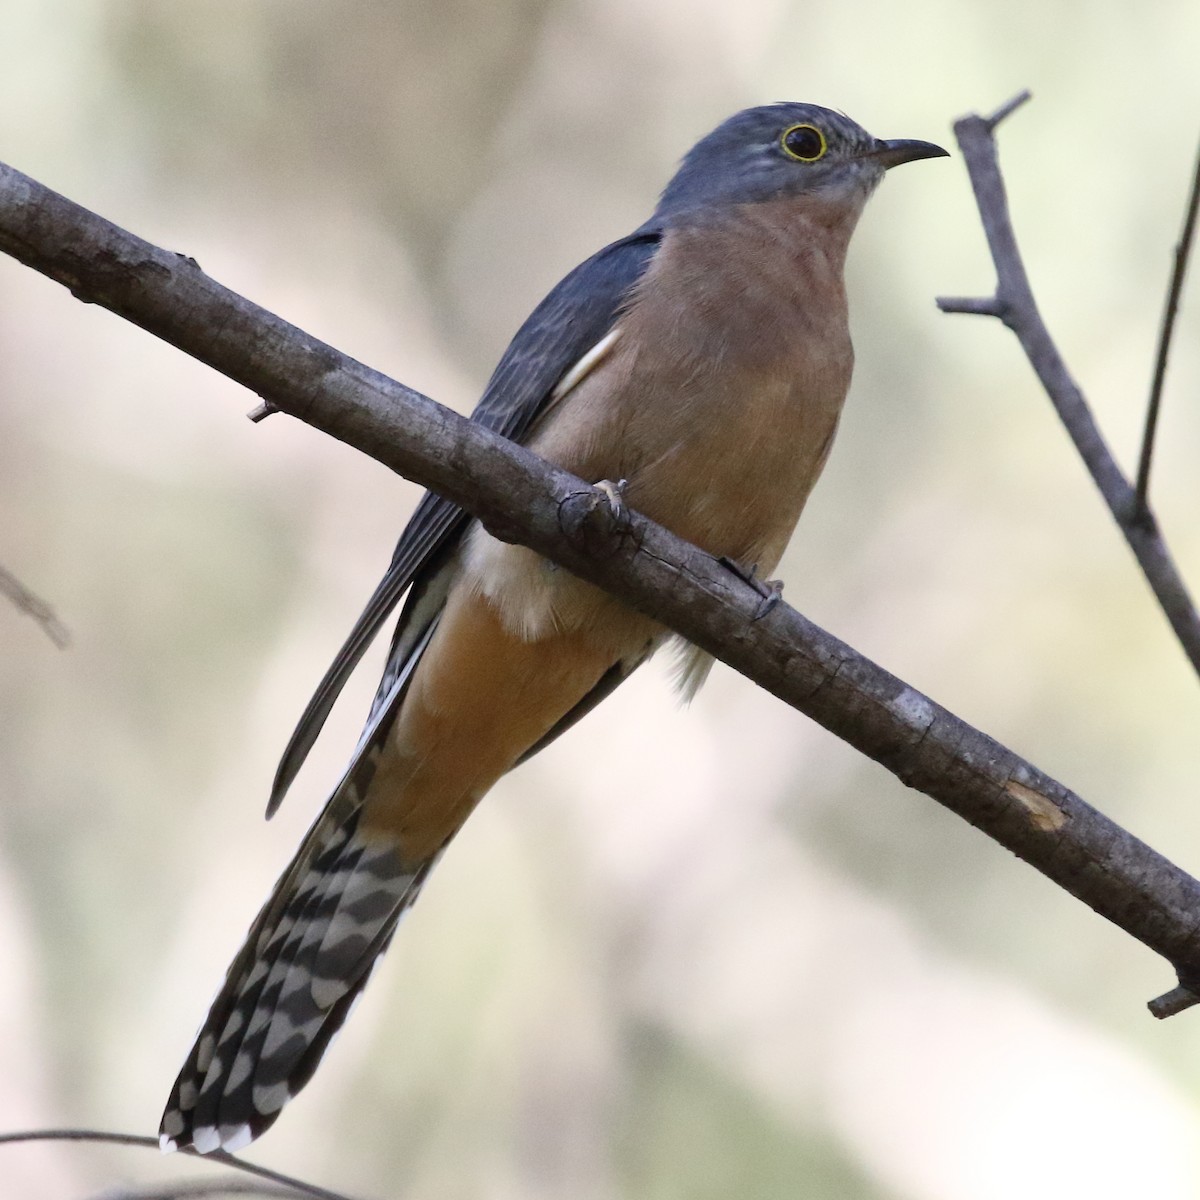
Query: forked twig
x,y
1014,304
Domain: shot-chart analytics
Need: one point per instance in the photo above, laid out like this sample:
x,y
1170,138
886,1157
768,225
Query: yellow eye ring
x,y
804,143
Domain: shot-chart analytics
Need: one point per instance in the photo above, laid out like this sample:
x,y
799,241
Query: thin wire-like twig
x,y
1183,250
34,606
296,1187
199,1189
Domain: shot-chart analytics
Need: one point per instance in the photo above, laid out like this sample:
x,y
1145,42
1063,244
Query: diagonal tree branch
x,y
521,498
1015,305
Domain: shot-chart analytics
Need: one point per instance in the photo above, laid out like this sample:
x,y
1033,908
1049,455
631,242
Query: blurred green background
x,y
685,953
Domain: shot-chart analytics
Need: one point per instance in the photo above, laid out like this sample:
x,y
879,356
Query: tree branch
x,y
284,1186
34,606
201,1189
1014,304
1170,310
521,498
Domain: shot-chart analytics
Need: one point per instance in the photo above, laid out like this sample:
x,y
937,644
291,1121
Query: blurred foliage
x,y
376,108
692,1133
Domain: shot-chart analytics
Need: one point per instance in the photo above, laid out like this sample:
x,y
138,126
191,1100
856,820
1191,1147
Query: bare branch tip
x,y
979,306
1008,108
1177,1000
262,412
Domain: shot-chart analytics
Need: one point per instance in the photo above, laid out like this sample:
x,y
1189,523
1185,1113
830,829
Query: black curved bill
x,y
902,150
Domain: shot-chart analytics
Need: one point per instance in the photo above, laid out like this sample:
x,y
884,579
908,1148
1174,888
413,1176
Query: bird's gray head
x,y
782,150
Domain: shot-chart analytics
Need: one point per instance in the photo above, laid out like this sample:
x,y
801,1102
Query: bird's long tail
x,y
305,961
471,699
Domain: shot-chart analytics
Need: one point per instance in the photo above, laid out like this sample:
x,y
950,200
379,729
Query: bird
x,y
696,367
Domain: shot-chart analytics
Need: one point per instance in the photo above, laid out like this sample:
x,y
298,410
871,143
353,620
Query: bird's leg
x,y
770,591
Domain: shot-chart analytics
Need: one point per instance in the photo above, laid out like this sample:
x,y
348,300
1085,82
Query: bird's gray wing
x,y
573,317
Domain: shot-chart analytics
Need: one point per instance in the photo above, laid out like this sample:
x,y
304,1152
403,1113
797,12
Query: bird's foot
x,y
615,494
770,591
598,517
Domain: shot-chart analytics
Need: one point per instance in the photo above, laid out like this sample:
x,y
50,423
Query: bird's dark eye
x,y
804,143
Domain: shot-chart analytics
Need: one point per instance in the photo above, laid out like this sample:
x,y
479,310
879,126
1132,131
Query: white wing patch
x,y
584,367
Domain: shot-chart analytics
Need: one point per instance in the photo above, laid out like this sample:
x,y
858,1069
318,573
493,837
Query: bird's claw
x,y
770,591
614,493
598,517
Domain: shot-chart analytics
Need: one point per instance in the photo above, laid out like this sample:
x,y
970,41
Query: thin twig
x,y
199,1189
34,606
1009,107
1015,305
298,1188
510,489
976,306
1170,311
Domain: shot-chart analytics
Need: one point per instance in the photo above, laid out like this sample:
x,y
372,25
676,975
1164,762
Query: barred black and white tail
x,y
306,960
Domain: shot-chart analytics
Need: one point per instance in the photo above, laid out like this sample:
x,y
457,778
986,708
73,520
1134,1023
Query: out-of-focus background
x,y
685,953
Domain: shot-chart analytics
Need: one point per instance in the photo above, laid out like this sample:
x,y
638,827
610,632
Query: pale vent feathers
x,y
690,669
